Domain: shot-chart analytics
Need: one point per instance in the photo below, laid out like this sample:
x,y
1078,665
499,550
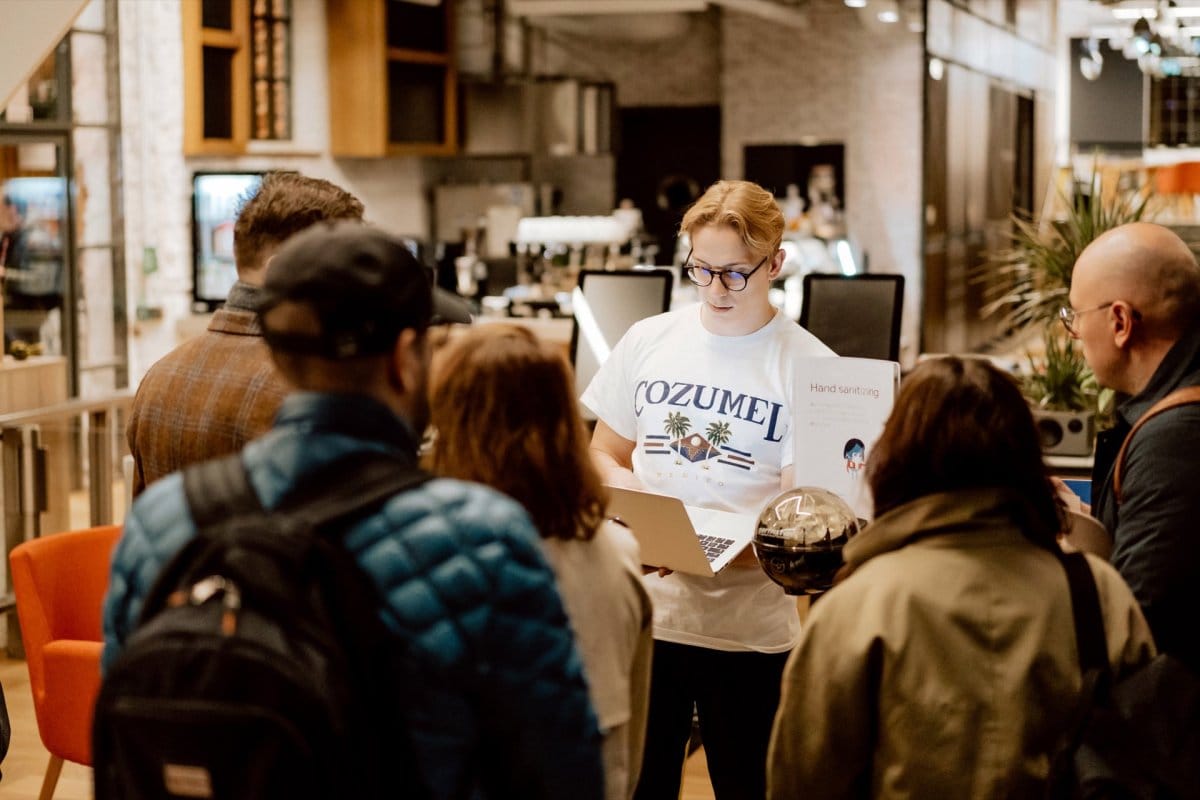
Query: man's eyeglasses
x,y
732,279
1067,315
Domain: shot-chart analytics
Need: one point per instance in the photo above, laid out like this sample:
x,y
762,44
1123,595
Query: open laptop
x,y
699,541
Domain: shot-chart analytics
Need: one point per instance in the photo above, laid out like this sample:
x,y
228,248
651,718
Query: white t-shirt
x,y
710,419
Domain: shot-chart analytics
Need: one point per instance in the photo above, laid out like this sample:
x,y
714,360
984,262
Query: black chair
x,y
613,301
855,315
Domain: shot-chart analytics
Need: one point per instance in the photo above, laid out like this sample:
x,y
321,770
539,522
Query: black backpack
x,y
1133,738
260,666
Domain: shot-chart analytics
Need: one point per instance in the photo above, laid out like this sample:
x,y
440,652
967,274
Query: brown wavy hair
x,y
503,406
744,206
963,424
284,204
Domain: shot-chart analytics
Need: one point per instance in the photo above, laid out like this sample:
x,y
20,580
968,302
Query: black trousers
x,y
734,695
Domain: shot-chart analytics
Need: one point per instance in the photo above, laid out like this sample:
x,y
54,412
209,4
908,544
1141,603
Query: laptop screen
x,y
605,305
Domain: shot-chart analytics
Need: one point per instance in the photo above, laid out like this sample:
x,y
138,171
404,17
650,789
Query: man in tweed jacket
x,y
214,393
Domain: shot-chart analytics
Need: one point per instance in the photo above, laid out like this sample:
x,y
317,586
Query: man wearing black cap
x,y
346,314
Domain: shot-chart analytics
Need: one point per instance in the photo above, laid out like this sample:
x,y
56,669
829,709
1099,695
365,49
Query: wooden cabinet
x,y
216,82
392,78
237,74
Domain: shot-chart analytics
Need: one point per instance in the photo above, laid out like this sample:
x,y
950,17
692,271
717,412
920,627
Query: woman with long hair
x,y
945,664
504,414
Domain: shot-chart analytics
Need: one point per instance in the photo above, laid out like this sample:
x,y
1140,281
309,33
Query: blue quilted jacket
x,y
466,585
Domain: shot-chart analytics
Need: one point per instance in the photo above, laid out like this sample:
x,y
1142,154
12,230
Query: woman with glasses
x,y
695,403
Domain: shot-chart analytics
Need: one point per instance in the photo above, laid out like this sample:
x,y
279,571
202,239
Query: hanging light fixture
x,y
1141,35
1092,61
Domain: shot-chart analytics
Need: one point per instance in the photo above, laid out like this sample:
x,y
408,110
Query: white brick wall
x,y
838,82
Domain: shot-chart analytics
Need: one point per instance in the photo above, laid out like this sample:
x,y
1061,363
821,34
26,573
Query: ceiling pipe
x,y
774,10
767,9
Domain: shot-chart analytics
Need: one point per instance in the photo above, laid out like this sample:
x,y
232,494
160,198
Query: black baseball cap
x,y
364,285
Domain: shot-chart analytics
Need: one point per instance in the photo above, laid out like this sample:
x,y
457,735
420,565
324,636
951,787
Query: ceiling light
x,y
856,3
889,15
1135,13
937,68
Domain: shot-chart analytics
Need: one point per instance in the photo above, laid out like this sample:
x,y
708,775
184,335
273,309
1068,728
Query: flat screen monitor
x,y
217,197
855,315
606,305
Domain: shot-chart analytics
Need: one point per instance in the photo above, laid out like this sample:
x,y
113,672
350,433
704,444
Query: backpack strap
x,y
1085,608
219,489
1063,780
1179,397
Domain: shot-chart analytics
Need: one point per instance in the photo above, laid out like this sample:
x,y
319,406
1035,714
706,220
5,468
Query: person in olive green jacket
x,y
944,664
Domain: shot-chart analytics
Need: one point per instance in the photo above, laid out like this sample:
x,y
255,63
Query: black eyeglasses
x,y
732,279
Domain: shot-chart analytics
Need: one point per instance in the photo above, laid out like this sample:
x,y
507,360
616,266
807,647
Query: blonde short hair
x,y
744,206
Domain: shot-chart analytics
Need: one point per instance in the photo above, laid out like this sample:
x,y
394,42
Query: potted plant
x,y
1030,281
1059,379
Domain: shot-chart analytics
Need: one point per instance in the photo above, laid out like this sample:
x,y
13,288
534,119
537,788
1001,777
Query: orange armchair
x,y
59,582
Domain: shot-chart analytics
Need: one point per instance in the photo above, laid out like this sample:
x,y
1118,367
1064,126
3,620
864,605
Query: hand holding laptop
x,y
698,541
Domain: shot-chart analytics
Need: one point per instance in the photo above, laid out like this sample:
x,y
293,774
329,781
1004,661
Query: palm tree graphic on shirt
x,y
692,447
718,433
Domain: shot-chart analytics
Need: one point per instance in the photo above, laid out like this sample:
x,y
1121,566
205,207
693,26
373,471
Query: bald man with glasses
x,y
1134,307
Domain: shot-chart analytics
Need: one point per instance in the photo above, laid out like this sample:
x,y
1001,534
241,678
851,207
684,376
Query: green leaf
x,y
1027,282
1060,379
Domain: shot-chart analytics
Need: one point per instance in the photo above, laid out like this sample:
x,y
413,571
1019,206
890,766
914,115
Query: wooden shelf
x,y
392,78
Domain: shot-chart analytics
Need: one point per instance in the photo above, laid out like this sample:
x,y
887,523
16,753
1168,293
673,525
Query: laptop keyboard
x,y
714,545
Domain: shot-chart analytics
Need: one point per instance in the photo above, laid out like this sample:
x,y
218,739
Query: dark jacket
x,y
468,589
1156,529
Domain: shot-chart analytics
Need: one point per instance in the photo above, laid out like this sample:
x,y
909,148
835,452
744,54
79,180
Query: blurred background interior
x,y
517,144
